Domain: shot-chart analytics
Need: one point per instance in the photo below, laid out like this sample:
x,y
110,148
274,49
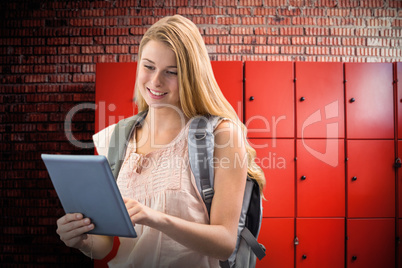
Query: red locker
x,y
276,158
371,178
320,100
277,235
229,75
114,93
399,243
269,99
320,178
369,100
370,243
321,243
399,182
398,79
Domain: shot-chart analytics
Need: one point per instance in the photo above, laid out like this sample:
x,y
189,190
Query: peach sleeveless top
x,y
163,181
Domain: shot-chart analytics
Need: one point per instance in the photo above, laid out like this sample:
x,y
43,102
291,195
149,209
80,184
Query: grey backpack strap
x,y
119,141
257,248
201,145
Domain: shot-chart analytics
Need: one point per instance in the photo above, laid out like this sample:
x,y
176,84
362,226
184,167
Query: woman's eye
x,y
149,67
172,73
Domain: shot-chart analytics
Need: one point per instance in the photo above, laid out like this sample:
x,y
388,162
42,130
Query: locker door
x,y
321,243
114,93
399,244
276,158
229,75
319,100
320,178
370,178
277,235
269,99
370,243
399,178
398,79
369,100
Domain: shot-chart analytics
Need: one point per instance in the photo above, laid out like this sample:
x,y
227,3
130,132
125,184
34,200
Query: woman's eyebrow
x,y
172,66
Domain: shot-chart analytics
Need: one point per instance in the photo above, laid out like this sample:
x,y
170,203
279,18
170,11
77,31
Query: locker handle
x,y
251,98
354,258
304,256
354,178
303,178
398,163
302,99
352,100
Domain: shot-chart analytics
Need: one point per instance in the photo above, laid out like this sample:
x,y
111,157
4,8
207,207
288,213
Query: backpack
x,y
201,149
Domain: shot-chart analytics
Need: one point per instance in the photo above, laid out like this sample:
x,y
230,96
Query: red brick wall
x,y
48,52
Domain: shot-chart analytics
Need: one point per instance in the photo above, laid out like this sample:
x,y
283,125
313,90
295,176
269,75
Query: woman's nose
x,y
156,79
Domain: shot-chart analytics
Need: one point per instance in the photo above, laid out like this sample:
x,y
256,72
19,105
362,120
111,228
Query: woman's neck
x,y
165,119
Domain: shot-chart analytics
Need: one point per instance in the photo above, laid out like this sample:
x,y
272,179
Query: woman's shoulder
x,y
102,139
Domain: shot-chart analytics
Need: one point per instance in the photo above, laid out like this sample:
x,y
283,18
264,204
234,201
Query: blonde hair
x,y
199,92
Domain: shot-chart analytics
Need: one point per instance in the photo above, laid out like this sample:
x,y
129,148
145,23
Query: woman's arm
x,y
218,239
72,228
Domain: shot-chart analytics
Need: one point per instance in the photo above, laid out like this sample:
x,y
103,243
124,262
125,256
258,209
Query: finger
x,y
79,231
73,225
69,217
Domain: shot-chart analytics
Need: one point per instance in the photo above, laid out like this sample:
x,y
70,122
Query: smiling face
x,y
157,75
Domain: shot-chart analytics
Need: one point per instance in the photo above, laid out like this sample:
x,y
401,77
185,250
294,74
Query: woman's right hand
x,y
72,230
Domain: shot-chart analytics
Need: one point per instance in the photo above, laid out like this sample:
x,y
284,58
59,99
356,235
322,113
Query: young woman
x,y
175,83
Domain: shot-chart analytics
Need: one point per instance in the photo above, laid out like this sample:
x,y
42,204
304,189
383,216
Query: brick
x,y
342,31
378,23
278,40
59,78
338,12
289,11
304,21
279,21
198,3
367,51
82,22
318,50
291,31
228,20
117,49
105,40
291,50
314,12
275,3
204,20
372,3
253,21
361,12
81,59
138,31
92,31
326,3
216,31
250,3
266,31
45,69
255,40
254,58
391,52
378,42
104,58
68,50
238,11
348,3
125,58
213,11
317,31
241,49
396,23
266,50
92,49
81,41
114,12
189,11
395,3
343,51
36,78
105,22
367,32
263,11
303,40
329,41
241,30
385,12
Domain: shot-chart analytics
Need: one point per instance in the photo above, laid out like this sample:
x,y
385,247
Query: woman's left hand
x,y
140,213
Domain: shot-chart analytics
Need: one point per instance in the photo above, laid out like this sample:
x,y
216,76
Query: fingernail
x,y
91,226
86,221
79,216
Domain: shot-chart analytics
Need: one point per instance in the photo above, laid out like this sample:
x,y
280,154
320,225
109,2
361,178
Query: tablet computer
x,y
85,184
